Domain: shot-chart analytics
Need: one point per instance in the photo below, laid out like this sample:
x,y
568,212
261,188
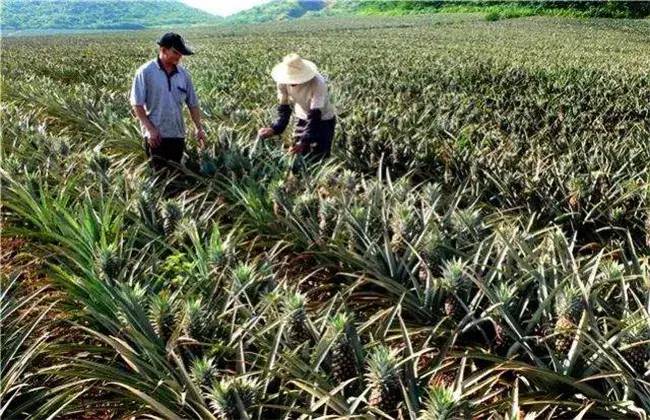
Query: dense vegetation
x,y
96,14
478,247
290,9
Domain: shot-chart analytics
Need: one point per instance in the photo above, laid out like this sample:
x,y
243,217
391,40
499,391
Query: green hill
x,y
294,9
98,14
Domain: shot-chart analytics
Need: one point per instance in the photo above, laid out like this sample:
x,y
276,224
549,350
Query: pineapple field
x,y
478,246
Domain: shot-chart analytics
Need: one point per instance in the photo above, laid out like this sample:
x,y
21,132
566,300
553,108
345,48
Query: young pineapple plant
x,y
456,283
203,372
633,349
343,354
298,330
569,305
109,263
234,398
444,403
172,213
162,311
383,377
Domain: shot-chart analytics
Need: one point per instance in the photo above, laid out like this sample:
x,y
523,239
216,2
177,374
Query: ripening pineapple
x,y
456,283
172,214
569,304
403,226
306,206
444,403
327,217
502,339
109,263
228,394
344,359
203,371
162,312
384,380
430,251
298,329
637,329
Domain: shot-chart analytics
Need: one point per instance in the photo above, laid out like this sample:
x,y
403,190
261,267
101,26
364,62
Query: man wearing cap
x,y
299,83
160,89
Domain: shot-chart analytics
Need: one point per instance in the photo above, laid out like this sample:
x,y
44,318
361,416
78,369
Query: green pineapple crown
x,y
340,322
612,270
203,371
161,315
172,210
569,302
295,302
454,274
243,273
636,328
431,193
467,219
224,394
442,403
382,367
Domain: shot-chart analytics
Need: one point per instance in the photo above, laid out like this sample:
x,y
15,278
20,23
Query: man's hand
x,y
265,132
200,136
153,137
297,149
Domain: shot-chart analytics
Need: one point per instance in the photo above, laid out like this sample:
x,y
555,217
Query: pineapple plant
x,y
230,396
430,251
569,304
456,283
162,310
172,213
383,377
203,372
298,330
636,330
343,356
108,262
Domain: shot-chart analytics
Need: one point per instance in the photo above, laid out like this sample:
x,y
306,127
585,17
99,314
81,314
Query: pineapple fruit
x,y
456,283
569,304
383,377
637,329
109,263
343,356
404,227
172,214
298,329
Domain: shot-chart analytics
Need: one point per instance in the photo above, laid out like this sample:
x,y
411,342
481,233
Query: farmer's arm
x,y
195,112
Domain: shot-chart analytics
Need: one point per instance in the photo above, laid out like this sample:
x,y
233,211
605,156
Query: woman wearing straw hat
x,y
300,84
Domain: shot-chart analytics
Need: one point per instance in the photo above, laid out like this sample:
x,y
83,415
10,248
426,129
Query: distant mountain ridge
x,y
98,14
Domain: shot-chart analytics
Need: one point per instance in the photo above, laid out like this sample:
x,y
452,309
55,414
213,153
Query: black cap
x,y
175,41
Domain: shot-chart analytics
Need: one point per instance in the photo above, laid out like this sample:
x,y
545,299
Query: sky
x,y
223,7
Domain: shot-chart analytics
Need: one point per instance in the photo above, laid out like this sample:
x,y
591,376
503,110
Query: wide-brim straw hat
x,y
294,70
